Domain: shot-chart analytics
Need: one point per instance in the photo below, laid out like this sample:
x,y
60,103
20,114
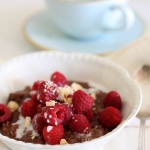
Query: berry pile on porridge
x,y
59,111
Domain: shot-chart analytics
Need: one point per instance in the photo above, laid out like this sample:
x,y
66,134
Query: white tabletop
x,y
14,14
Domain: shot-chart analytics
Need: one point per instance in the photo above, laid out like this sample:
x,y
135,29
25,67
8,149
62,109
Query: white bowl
x,y
24,70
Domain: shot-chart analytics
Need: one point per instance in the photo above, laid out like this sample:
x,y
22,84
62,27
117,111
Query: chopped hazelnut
x,y
93,95
50,103
12,105
76,86
69,100
63,142
27,121
32,137
63,93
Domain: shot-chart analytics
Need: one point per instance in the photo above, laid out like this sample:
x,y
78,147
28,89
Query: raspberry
x,y
68,113
54,115
112,99
47,91
33,95
110,117
89,115
5,113
53,134
80,124
82,102
38,123
36,85
29,108
40,108
34,88
59,79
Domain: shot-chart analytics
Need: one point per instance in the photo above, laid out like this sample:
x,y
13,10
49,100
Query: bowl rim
x,y
133,113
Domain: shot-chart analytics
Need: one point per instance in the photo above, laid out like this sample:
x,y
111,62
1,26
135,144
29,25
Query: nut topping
x,y
12,105
63,142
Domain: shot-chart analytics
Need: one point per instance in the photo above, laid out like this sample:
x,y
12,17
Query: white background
x,y
15,13
13,16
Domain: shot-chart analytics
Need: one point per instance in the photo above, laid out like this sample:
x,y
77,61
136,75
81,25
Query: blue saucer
x,y
42,33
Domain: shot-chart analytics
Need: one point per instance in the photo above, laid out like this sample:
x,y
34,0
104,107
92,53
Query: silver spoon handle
x,y
141,145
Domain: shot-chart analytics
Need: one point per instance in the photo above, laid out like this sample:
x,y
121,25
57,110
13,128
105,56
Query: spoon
x,y
142,77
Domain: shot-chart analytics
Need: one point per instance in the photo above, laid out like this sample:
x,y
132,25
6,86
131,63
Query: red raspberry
x,y
38,123
53,134
60,113
29,108
112,99
33,95
110,117
54,115
59,79
68,113
47,91
36,85
5,113
34,88
40,108
89,115
82,102
80,124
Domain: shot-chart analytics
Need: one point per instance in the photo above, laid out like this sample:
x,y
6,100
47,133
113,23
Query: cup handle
x,y
124,13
